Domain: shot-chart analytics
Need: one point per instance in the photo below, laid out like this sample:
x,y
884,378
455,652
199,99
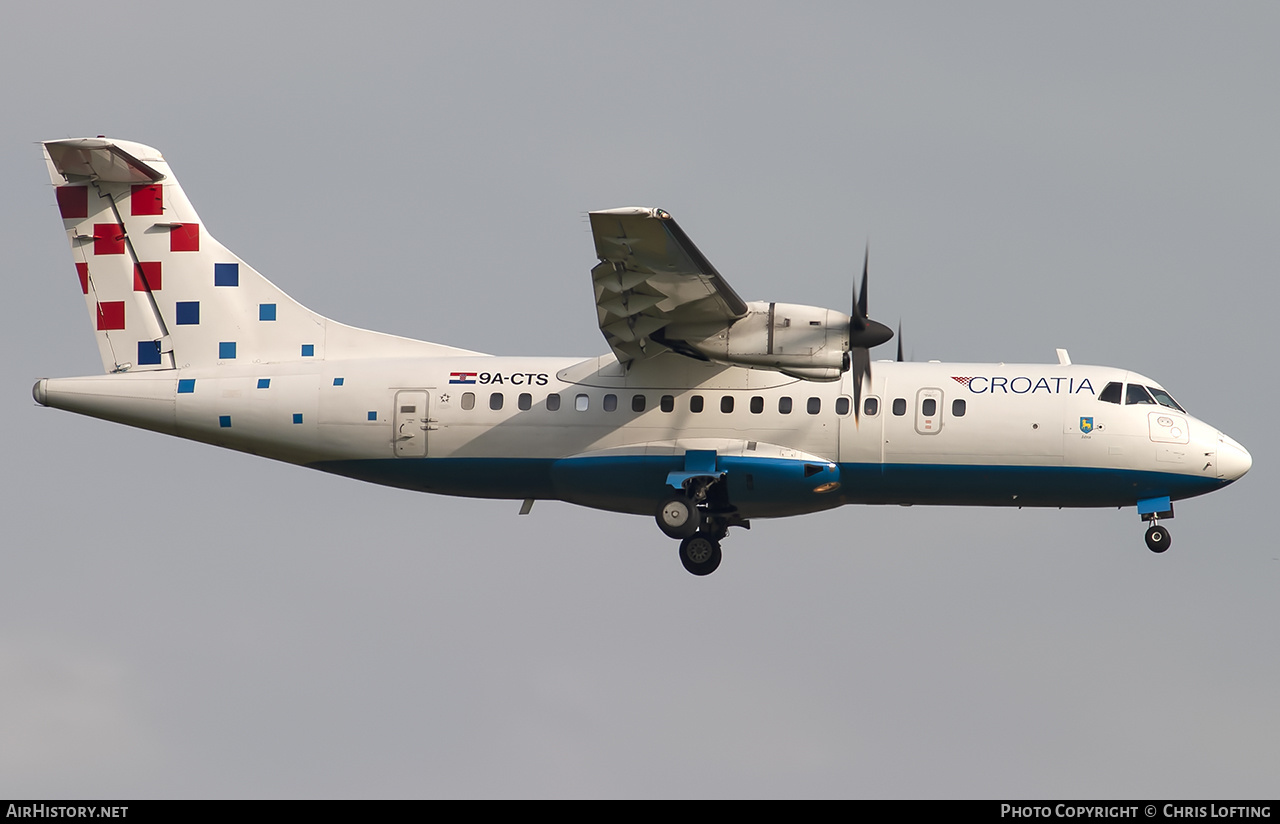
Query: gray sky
x,y
178,621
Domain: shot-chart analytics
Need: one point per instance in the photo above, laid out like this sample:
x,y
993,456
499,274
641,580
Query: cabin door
x,y
411,423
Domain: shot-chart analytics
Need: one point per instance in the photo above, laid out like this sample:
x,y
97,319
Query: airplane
x,y
707,412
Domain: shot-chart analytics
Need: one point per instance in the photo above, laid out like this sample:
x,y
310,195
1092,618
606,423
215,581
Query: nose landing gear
x,y
1152,510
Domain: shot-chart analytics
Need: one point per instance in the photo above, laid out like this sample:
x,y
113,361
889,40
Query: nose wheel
x,y
1157,538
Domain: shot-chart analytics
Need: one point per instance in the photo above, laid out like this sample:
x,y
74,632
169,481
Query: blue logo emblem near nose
x,y
1086,424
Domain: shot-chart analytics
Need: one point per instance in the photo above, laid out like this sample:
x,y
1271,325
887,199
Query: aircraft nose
x,y
1233,459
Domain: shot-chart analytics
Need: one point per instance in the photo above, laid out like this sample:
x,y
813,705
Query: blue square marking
x,y
186,386
266,311
188,313
264,383
226,274
337,381
373,416
308,350
224,421
227,350
148,352
297,417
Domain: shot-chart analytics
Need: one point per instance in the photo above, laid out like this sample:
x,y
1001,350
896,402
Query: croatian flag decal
x,y
462,377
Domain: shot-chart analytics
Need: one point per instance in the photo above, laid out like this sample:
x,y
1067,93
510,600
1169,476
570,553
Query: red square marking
x,y
146,273
111,315
108,239
146,199
185,237
73,201
82,269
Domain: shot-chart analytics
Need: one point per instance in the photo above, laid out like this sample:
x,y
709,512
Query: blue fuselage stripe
x,y
773,488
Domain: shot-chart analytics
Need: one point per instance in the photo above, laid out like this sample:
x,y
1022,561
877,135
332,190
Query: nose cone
x,y
1233,459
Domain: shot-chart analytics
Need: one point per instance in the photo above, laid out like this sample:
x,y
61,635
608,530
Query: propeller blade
x,y
863,332
860,297
861,365
899,341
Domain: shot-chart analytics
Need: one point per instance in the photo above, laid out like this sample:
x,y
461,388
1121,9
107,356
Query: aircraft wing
x,y
653,287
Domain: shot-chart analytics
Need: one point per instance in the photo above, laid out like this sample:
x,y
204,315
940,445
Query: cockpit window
x,y
1136,393
1162,397
1111,392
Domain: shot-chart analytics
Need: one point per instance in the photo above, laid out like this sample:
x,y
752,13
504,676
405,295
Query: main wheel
x,y
1158,539
677,517
700,553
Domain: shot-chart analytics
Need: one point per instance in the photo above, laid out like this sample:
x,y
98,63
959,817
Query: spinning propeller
x,y
864,335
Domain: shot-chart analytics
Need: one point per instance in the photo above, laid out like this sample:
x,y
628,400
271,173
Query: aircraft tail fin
x,y
161,292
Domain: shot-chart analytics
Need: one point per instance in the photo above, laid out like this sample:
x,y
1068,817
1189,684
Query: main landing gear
x,y
699,518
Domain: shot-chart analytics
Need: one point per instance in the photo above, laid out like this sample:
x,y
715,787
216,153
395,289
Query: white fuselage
x,y
590,433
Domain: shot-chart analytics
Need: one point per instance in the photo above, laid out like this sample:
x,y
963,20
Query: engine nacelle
x,y
806,342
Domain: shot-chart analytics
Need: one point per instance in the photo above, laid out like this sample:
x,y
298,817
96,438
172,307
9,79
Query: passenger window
x,y
610,403
726,404
958,408
757,405
668,403
899,406
525,401
581,403
814,406
637,403
495,401
842,405
468,400
1135,393
871,407
784,406
695,403
1111,392
929,408
553,402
